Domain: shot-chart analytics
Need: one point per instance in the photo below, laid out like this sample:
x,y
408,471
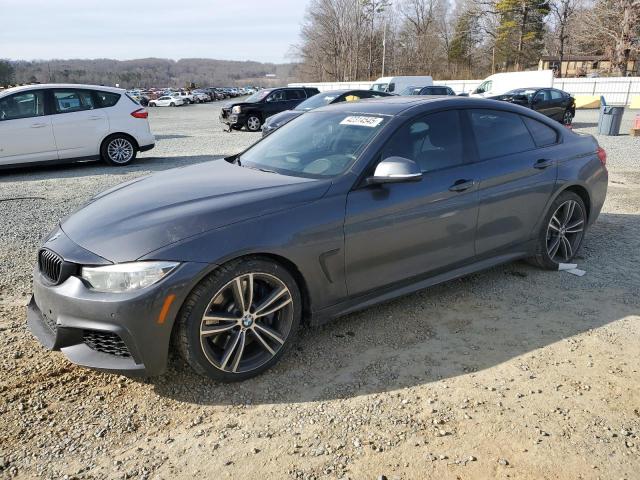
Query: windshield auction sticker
x,y
362,121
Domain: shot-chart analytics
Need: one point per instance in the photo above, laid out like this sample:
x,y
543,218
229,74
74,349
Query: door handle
x,y
462,185
38,125
542,164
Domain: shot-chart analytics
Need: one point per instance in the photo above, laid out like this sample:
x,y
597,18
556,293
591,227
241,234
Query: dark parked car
x,y
319,100
255,109
345,206
550,102
430,90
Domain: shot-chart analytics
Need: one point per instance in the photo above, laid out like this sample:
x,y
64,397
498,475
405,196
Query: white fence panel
x,y
616,90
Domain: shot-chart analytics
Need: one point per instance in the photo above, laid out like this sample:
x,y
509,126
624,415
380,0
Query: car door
x,y
78,125
516,178
542,103
26,133
400,230
294,97
276,102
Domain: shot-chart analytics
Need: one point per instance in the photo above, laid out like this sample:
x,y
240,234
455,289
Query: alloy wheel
x,y
120,150
246,322
567,118
253,123
565,231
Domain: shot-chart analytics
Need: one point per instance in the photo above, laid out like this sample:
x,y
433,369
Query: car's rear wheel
x,y
152,104
118,150
562,231
567,118
253,123
240,320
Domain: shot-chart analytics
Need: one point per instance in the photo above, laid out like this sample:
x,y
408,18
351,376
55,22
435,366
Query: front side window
x,y
22,105
323,144
379,87
499,133
276,96
67,101
485,87
433,141
543,135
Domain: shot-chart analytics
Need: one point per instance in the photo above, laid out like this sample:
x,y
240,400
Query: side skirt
x,y
412,285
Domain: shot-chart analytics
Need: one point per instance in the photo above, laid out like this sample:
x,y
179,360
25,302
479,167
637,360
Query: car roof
x,y
39,86
410,105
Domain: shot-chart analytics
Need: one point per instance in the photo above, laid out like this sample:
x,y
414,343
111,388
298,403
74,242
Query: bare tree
x,y
562,14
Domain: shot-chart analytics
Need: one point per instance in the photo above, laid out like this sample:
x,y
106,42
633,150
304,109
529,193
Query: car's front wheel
x,y
118,150
253,123
240,320
567,118
562,231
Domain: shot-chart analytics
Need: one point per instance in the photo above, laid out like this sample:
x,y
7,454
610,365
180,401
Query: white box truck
x,y
500,83
397,84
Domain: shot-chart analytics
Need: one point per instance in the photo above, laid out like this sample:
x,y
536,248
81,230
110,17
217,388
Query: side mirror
x,y
395,170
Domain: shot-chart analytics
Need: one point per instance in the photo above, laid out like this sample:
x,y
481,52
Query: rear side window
x,y
543,135
499,133
22,105
556,95
68,101
294,94
107,99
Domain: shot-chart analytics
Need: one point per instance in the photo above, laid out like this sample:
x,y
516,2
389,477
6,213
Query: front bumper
x,y
116,332
234,119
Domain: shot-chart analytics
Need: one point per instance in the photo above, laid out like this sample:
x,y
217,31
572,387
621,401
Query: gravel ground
x,y
509,373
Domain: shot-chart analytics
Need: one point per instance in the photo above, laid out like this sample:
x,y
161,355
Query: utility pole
x,y
384,45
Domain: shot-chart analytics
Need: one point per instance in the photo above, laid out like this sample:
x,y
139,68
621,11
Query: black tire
x,y
545,240
202,352
172,104
253,123
152,104
118,150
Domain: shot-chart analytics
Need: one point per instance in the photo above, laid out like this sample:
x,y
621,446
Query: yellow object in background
x,y
635,102
351,98
587,101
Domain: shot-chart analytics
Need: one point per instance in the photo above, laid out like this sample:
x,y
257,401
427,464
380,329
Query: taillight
x,y
602,155
140,113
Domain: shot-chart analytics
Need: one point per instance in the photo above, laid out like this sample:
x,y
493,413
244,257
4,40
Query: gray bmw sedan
x,y
345,206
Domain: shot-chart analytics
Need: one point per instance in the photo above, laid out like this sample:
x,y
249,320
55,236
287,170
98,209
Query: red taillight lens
x,y
602,155
140,113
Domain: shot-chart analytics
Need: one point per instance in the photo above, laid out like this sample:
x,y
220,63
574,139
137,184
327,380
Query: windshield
x,y
319,100
315,145
379,87
410,91
528,92
256,97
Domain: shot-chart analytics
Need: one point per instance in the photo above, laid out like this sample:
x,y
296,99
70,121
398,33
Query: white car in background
x,y
68,123
166,101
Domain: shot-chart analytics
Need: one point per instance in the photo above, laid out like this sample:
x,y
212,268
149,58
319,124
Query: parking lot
x,y
545,364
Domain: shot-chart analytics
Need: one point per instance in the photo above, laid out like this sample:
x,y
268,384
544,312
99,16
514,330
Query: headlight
x,y
125,277
235,109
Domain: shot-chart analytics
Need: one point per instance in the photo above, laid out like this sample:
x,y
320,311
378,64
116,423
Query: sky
x,y
261,30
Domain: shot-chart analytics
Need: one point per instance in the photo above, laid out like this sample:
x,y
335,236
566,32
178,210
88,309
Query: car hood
x,y
140,216
230,105
284,117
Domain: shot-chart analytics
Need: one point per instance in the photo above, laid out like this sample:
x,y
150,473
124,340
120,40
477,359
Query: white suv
x,y
67,123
